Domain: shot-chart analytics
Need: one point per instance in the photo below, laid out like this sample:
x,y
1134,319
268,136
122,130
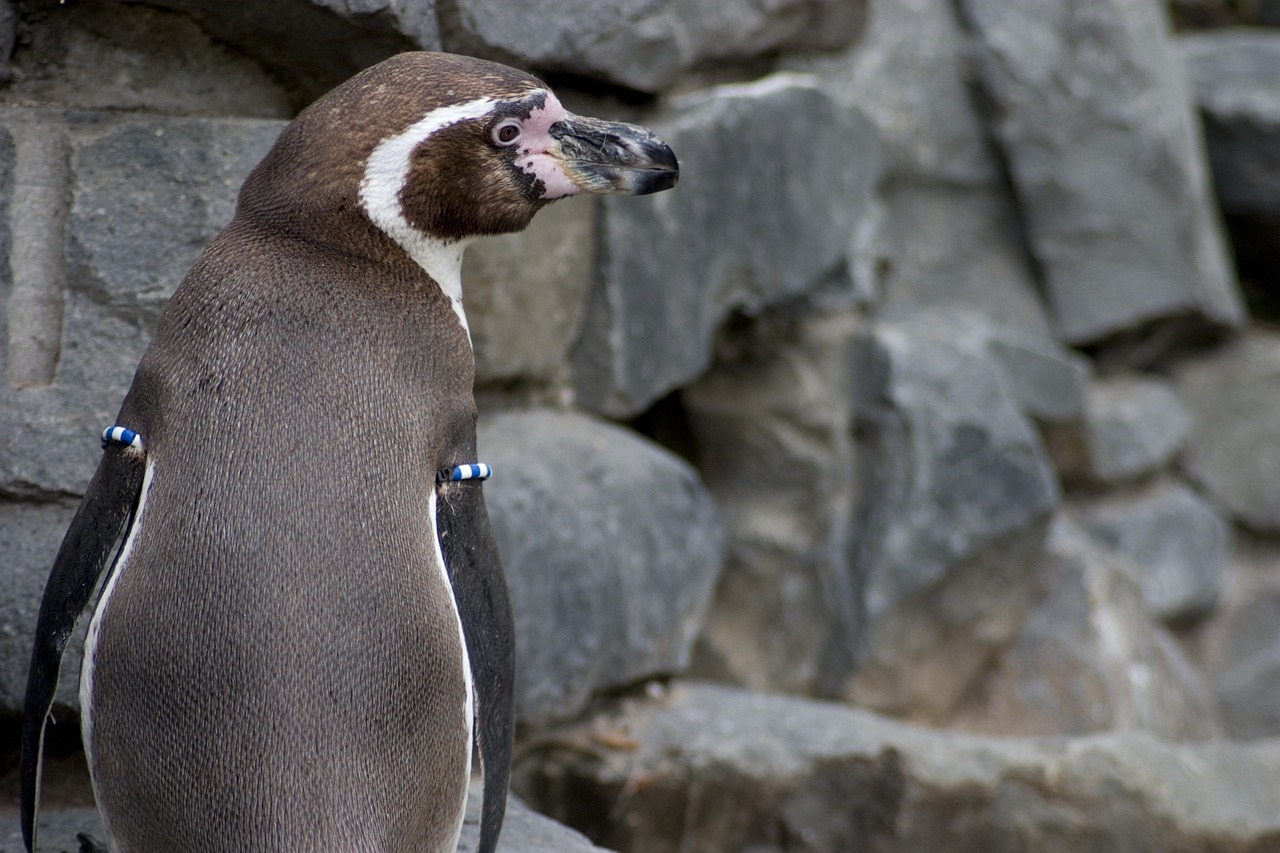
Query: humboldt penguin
x,y
305,626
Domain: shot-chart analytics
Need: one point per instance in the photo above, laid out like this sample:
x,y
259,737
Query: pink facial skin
x,y
539,153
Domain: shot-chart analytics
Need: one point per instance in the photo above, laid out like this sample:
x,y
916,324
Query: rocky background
x,y
907,479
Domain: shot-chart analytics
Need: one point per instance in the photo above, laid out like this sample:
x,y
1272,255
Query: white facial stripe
x,y
385,174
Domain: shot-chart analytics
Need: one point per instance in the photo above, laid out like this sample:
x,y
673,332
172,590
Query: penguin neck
x,y
442,261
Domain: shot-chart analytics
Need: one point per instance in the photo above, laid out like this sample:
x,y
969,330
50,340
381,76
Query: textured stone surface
x,y
1238,648
1233,395
145,195
716,769
1174,539
1133,427
316,44
1236,77
525,294
769,223
524,831
774,433
611,547
951,232
1093,116
955,496
29,539
1089,656
114,56
644,44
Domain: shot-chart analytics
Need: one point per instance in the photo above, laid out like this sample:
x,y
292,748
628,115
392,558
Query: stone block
x,y
30,534
611,547
1094,120
1133,427
1235,74
951,231
955,497
86,283
135,57
774,433
768,224
708,768
525,294
316,44
1233,395
1090,656
644,44
1175,541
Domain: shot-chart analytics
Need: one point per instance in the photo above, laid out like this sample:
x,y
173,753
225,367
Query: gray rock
x,y
1049,382
1173,538
1233,395
951,231
117,56
768,224
960,466
956,494
1094,121
525,294
717,769
644,44
88,284
524,831
1134,426
316,44
29,539
611,547
1236,77
1089,656
1238,647
774,433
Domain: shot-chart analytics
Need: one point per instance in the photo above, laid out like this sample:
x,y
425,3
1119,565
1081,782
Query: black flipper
x,y
480,590
104,514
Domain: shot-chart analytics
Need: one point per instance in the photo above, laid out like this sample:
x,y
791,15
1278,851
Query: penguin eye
x,y
506,132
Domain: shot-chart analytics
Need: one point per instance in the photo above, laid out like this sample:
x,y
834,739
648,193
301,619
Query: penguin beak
x,y
613,158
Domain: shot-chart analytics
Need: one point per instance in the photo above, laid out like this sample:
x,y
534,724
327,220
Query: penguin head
x,y
446,148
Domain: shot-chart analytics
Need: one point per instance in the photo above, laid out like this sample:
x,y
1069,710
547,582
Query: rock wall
x,y
931,390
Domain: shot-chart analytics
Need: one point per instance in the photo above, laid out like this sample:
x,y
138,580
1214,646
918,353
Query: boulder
x,y
1236,76
30,534
708,768
1233,453
88,280
1092,114
951,235
775,444
1238,647
127,56
769,224
644,44
955,494
525,294
1089,657
1175,541
611,547
1133,427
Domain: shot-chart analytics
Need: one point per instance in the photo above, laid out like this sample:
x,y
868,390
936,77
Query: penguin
x,y
302,625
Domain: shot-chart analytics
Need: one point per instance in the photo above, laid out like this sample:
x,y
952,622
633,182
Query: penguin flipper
x,y
480,591
104,514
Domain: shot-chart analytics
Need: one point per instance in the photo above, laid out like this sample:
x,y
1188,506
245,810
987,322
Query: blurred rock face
x,y
929,390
